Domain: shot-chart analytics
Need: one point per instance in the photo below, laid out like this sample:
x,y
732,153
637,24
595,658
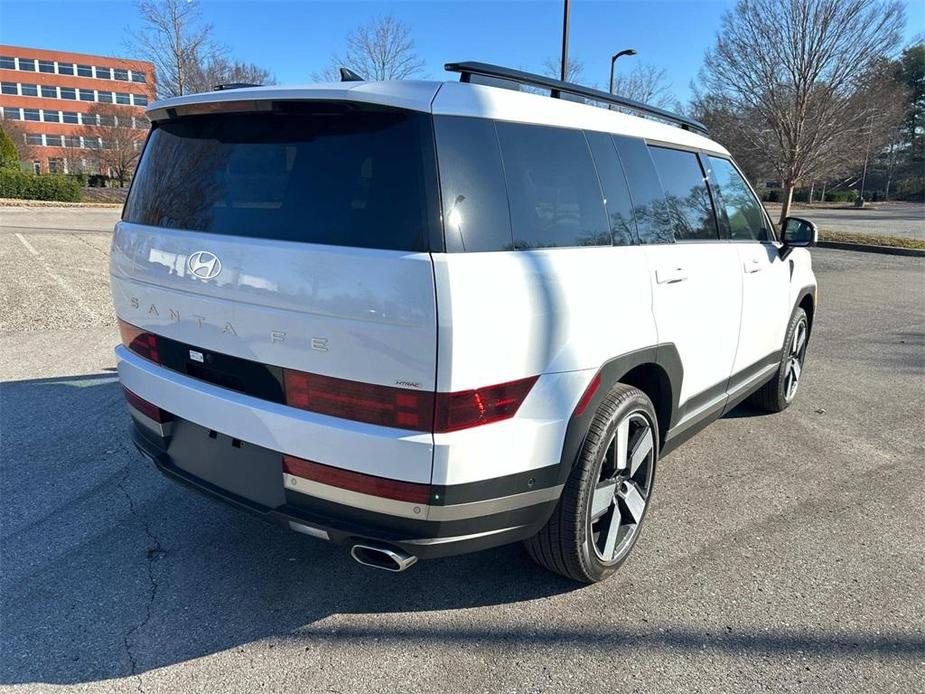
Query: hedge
x,y
29,186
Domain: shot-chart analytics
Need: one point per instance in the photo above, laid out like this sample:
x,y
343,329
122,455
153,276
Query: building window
x,y
37,166
69,117
53,140
11,114
140,99
89,119
31,114
47,66
55,165
138,76
87,95
8,88
49,92
52,116
65,68
122,98
120,74
8,63
105,97
91,143
84,71
27,64
68,93
108,121
29,89
72,142
104,73
33,139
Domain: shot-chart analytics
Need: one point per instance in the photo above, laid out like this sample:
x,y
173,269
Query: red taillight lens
x,y
140,342
470,408
146,408
588,395
356,481
362,402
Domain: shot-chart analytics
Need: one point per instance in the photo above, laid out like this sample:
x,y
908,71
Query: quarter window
x,y
688,206
652,223
743,212
555,197
613,183
475,212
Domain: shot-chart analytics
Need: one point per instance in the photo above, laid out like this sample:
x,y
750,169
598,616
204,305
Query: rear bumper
x,y
171,448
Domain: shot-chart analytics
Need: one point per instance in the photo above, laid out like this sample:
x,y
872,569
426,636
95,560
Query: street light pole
x,y
564,71
613,61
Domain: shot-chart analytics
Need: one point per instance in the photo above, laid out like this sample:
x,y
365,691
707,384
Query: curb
x,y
864,248
17,202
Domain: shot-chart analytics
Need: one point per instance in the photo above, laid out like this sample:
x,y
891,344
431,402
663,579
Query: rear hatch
x,y
294,236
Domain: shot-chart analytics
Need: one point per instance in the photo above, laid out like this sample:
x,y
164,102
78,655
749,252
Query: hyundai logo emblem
x,y
204,265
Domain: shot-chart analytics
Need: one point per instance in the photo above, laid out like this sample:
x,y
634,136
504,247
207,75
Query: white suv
x,y
425,318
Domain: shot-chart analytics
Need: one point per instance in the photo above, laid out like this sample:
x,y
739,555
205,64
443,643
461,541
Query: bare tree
x,y
646,83
120,139
382,49
222,70
176,40
552,67
792,67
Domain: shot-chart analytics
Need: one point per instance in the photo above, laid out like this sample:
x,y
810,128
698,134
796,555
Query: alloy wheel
x,y
795,356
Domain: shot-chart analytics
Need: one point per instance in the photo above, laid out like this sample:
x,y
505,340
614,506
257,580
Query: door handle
x,y
753,265
670,275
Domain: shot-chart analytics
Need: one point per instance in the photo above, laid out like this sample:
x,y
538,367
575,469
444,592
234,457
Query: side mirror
x,y
799,233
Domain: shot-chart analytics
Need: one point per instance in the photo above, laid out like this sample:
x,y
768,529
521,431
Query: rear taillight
x,y
362,402
149,409
471,408
403,408
357,482
139,341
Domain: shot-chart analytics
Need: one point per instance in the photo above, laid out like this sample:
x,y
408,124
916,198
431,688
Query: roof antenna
x,y
348,75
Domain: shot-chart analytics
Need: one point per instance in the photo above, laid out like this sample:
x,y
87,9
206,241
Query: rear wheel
x,y
777,394
600,513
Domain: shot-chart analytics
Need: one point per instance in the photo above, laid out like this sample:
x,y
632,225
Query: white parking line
x,y
68,289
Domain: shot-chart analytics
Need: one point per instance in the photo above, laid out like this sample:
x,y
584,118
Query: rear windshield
x,y
340,177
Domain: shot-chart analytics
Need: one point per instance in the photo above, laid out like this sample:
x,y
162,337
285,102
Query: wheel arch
x,y
806,300
655,370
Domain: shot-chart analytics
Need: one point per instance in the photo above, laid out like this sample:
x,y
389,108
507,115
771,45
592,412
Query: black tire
x,y
776,395
570,543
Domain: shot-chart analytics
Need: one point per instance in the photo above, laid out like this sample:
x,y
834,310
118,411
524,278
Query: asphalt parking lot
x,y
903,219
783,553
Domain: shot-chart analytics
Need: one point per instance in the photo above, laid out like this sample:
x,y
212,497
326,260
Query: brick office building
x,y
52,95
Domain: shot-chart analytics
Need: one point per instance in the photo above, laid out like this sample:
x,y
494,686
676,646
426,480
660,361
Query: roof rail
x,y
557,87
234,85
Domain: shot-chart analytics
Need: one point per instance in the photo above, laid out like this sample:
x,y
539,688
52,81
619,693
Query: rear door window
x,y
616,194
652,221
555,197
339,176
743,211
688,205
475,211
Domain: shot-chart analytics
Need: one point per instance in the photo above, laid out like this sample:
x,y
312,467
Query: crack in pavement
x,y
154,552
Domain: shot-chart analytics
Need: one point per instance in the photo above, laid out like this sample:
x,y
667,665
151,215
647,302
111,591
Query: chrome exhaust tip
x,y
382,557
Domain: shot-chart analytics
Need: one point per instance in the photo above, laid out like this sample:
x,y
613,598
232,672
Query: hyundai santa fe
x,y
424,318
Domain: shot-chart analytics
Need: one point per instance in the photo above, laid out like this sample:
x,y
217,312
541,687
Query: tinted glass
x,y
8,88
475,212
27,64
616,194
86,95
50,92
743,211
104,97
69,117
652,222
68,93
33,139
46,66
65,68
29,89
362,178
138,76
140,100
688,204
120,74
12,114
30,114
84,71
53,140
7,62
52,117
104,73
555,197
123,98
